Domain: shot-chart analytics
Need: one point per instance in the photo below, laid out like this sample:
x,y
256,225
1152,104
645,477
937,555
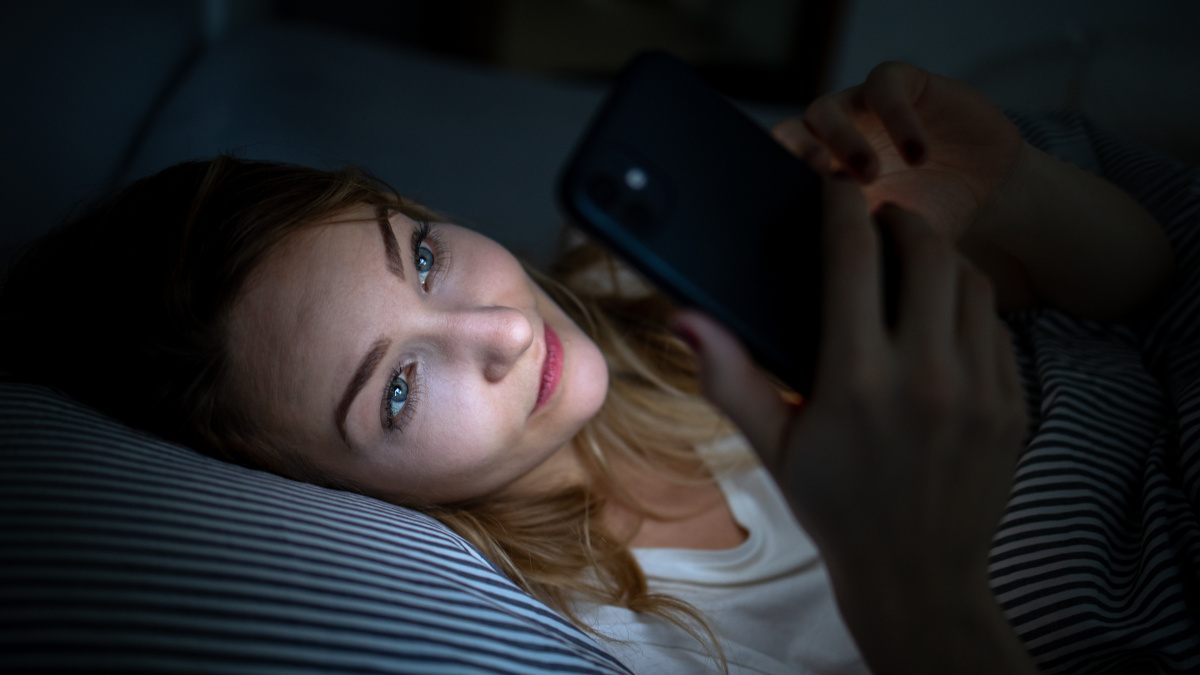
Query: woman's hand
x,y
925,142
901,462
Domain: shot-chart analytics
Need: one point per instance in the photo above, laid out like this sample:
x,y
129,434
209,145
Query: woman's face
x,y
425,374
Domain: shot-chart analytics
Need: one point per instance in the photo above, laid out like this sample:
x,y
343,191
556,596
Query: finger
x,y
928,281
852,307
732,381
891,91
830,120
1010,383
793,135
988,348
977,330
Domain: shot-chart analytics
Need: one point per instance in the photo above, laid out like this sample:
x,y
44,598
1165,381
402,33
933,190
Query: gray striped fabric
x,y
119,552
1097,561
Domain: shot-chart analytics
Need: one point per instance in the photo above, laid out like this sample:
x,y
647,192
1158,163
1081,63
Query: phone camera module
x,y
604,191
629,190
638,216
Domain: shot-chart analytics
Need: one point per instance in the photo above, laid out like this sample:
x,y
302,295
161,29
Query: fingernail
x,y
914,151
687,335
858,162
795,401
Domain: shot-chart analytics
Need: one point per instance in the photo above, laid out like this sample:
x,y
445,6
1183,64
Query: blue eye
x,y
397,396
423,261
400,395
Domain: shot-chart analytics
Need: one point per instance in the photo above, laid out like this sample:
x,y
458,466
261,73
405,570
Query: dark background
x,y
487,95
772,50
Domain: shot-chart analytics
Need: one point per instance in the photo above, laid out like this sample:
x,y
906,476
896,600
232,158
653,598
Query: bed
x,y
121,552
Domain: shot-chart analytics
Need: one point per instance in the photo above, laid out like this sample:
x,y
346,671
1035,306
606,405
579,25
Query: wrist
x,y
1086,246
930,625
989,242
1012,203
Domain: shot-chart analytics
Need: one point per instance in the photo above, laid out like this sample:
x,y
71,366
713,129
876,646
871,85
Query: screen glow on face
x,y
411,363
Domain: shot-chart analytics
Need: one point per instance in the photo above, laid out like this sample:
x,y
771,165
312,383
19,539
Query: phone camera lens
x,y
635,178
603,190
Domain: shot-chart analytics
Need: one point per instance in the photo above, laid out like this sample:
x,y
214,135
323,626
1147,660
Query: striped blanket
x,y
1097,560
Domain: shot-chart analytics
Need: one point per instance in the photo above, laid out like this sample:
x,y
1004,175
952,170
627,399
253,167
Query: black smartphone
x,y
701,200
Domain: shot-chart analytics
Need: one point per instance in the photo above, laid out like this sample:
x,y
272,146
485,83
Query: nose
x,y
495,337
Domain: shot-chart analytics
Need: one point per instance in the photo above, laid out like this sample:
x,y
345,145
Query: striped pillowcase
x,y
122,552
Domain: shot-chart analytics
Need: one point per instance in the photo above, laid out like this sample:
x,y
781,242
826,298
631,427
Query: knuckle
x,y
886,105
889,70
883,95
935,394
862,384
819,111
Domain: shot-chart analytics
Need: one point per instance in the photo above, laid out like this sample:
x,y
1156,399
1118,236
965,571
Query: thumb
x,y
735,384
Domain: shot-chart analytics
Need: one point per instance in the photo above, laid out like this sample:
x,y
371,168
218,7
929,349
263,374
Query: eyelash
x,y
425,231
410,401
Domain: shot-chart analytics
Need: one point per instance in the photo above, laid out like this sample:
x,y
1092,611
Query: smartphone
x,y
701,200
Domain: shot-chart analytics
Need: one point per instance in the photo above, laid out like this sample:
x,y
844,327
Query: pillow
x,y
119,551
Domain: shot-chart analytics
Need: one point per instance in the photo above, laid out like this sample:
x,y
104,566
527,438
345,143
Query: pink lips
x,y
551,368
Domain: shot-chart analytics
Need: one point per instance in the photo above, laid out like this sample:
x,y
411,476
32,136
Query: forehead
x,y
307,314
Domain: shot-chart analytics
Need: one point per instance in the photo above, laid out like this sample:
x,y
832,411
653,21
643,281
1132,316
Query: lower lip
x,y
551,368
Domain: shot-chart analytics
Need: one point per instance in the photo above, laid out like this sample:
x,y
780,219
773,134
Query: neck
x,y
654,509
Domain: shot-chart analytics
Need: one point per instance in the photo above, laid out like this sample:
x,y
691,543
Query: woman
x,y
318,326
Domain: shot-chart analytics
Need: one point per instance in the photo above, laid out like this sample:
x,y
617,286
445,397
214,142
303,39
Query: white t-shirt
x,y
769,600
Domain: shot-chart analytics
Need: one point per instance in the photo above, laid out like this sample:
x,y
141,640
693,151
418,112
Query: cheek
x,y
590,372
467,445
498,266
466,427
585,372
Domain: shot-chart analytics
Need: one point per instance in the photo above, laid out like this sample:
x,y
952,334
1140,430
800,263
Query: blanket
x,y
1097,560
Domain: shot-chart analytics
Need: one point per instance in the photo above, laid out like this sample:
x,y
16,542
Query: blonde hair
x,y
166,258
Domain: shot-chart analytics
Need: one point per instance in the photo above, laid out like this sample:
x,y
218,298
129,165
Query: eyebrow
x,y
395,266
370,360
366,368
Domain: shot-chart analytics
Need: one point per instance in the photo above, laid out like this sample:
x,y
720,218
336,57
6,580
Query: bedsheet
x,y
1097,559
